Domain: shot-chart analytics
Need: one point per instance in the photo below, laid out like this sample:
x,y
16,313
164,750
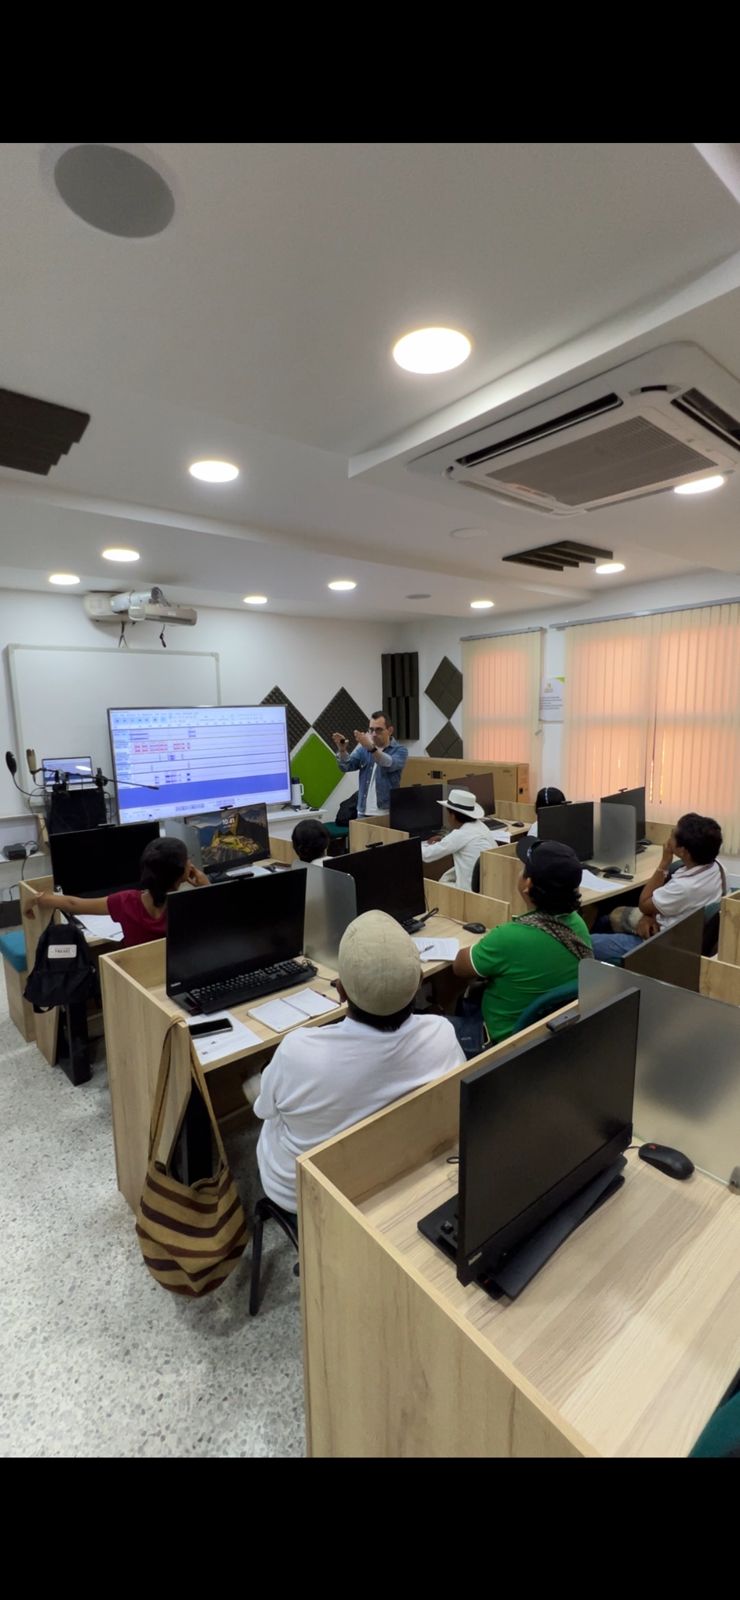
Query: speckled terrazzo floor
x,y
95,1358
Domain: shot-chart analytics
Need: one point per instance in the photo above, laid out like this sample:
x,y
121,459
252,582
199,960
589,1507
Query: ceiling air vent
x,y
35,433
556,557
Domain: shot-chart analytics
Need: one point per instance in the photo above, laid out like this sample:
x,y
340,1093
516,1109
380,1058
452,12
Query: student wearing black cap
x,y
545,797
539,951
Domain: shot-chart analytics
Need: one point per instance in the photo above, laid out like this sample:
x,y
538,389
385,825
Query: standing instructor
x,y
378,759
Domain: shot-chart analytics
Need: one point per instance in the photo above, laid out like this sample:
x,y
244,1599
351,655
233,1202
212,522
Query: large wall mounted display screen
x,y
177,761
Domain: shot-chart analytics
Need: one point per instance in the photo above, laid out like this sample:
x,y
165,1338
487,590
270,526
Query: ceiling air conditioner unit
x,y
657,421
149,605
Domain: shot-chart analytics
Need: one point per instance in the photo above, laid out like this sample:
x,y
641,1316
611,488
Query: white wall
x,y
308,658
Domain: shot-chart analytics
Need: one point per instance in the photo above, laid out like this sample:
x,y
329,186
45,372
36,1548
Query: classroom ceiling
x,y
258,326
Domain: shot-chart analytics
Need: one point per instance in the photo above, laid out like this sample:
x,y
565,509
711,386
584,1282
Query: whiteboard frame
x,y
12,651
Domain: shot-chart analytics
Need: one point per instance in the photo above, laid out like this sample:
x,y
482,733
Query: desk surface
x,y
645,866
632,1330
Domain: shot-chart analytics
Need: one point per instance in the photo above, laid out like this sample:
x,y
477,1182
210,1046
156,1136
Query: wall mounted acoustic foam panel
x,y
298,725
341,715
445,688
446,745
401,692
316,768
35,433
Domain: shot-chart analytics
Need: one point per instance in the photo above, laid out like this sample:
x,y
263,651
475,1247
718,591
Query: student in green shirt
x,y
541,950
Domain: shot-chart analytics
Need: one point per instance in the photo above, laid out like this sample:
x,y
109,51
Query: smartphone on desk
x,y
199,1030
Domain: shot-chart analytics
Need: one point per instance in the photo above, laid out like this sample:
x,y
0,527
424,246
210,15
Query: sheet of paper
x,y
277,1014
437,949
102,928
590,880
312,1004
212,1046
501,835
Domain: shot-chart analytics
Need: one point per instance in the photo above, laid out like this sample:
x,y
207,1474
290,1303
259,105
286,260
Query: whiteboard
x,y
61,694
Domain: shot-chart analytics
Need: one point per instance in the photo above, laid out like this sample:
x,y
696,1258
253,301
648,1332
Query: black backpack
x,y
63,972
347,812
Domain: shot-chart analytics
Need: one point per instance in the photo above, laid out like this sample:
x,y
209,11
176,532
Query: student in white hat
x,y
321,1080
467,839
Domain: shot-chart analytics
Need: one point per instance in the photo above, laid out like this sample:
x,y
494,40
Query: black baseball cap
x,y
549,797
550,864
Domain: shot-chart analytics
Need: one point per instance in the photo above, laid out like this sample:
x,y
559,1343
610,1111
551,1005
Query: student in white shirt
x,y
545,797
310,841
668,896
321,1080
467,839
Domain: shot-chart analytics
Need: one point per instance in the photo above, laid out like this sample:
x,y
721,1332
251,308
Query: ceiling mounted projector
x,y
146,605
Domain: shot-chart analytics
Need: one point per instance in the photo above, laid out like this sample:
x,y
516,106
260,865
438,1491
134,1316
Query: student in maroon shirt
x,y
141,912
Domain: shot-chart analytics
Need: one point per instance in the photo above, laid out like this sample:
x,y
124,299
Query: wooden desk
x,y
622,1346
501,870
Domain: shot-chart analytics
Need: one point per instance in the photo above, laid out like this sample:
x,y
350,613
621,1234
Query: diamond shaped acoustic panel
x,y
445,688
316,769
446,745
297,724
342,715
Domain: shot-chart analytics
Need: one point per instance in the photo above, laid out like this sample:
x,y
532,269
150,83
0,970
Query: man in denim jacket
x,y
378,759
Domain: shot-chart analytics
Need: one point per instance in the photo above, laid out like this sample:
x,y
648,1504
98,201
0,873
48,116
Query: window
x,y
501,703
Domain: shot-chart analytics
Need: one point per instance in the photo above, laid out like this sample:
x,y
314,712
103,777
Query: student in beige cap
x,y
321,1080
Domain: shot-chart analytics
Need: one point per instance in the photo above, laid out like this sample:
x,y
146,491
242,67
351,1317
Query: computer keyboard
x,y
249,986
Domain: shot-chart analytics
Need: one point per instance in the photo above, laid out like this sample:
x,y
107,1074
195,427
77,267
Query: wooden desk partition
x,y
510,779
464,906
362,832
500,872
729,929
46,1022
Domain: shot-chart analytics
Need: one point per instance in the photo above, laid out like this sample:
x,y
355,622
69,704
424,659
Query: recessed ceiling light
x,y
418,597
120,553
481,605
255,599
213,471
342,585
700,485
467,533
431,350
607,567
65,580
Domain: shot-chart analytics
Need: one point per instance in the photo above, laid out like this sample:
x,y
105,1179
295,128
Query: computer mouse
x,y
672,1162
474,927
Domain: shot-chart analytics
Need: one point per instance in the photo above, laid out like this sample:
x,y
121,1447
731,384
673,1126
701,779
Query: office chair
x,y
263,1211
545,1004
475,879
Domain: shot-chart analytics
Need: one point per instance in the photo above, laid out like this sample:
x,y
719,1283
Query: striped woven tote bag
x,y
191,1235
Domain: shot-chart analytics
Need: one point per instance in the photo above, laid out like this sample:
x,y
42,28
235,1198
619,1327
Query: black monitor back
x,y
573,825
233,928
416,809
75,810
673,956
630,797
388,878
537,1125
98,861
481,785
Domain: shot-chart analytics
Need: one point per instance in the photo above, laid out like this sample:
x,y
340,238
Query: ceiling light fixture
x,y
213,471
120,553
431,350
608,567
418,597
700,485
481,605
65,580
342,585
255,599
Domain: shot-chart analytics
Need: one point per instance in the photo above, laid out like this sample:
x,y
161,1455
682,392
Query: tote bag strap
x,y
199,1078
163,1082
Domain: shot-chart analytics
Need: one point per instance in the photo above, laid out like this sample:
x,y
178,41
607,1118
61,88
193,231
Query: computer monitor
x,y
76,810
630,797
417,810
569,824
233,928
537,1125
98,861
673,956
239,839
75,769
180,761
481,785
387,878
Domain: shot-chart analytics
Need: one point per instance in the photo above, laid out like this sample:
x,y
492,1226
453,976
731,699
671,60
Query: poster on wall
x,y
551,699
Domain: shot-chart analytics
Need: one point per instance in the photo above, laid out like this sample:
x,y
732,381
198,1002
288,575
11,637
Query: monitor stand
x,y
522,1265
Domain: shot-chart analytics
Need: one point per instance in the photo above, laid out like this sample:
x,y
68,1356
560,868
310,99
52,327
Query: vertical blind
x,y
501,704
656,700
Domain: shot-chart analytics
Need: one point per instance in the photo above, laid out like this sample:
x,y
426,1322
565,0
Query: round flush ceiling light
x,y
608,567
431,350
111,188
342,585
64,580
700,485
213,471
255,599
120,553
481,605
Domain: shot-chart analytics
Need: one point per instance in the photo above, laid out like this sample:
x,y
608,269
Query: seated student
x,y
668,896
522,960
141,912
545,797
321,1080
310,841
467,839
